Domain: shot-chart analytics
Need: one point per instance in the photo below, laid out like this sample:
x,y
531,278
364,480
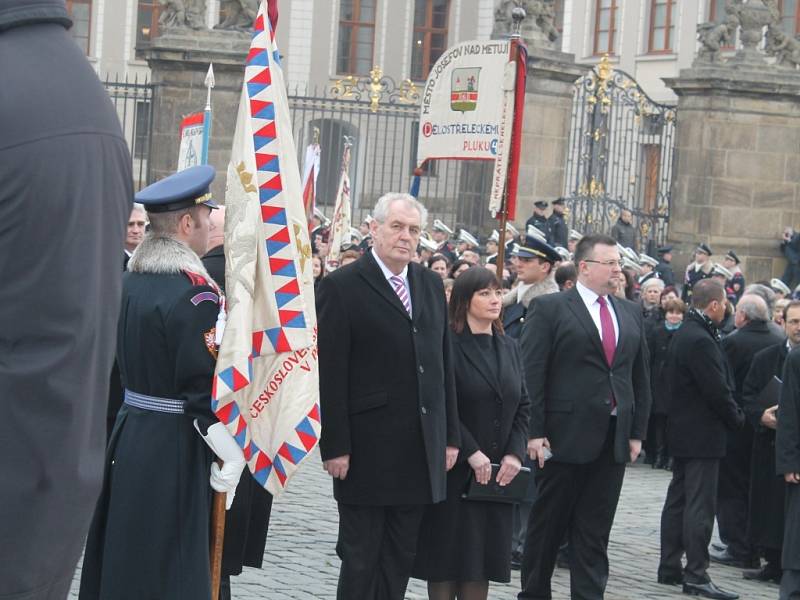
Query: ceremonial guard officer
x,y
557,226
533,262
492,247
539,219
664,266
735,284
466,241
150,533
700,269
647,265
573,239
781,289
441,235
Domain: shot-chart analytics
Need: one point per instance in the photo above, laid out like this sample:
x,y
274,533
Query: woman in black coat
x,y
465,544
658,343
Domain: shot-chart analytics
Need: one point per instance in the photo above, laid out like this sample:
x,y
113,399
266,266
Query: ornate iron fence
x,y
620,156
382,118
133,101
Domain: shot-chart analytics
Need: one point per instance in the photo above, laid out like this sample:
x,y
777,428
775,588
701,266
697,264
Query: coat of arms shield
x,y
464,89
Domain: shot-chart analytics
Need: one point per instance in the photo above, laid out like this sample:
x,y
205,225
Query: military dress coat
x,y
387,390
463,540
787,457
150,534
65,198
767,490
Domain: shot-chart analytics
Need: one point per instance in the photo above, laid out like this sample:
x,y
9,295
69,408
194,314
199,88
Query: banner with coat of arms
x,y
462,104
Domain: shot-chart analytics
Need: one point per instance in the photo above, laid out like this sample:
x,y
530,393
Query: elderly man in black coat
x,y
390,428
585,361
65,198
787,462
767,490
752,335
701,411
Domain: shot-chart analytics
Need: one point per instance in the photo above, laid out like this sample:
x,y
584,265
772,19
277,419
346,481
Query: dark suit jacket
x,y
387,388
214,262
493,409
701,405
570,384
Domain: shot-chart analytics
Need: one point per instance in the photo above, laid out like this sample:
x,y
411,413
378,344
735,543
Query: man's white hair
x,y
381,210
652,283
754,308
137,206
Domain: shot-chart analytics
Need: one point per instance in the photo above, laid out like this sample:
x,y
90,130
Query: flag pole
x,y
216,540
207,114
517,14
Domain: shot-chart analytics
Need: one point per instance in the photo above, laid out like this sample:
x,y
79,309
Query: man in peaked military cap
x,y
698,270
664,267
539,219
556,224
736,283
156,493
441,235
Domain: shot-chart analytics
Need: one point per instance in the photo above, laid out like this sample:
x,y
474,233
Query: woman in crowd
x,y
650,297
318,269
459,267
464,544
439,265
659,342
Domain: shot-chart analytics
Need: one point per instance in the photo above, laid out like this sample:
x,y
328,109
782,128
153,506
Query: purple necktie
x,y
607,335
402,293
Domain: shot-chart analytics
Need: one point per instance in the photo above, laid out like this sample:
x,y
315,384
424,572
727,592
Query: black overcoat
x,y
387,389
462,540
659,341
787,456
570,383
149,536
701,407
65,198
767,490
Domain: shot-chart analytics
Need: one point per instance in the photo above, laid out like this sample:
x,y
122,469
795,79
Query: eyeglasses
x,y
607,263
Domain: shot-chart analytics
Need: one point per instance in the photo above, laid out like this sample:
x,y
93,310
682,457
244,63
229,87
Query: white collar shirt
x,y
388,275
590,300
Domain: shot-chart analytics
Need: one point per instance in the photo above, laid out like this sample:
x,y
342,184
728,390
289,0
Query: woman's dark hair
x,y
667,290
436,258
456,265
469,282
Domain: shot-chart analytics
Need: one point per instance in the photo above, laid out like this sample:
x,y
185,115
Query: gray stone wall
x,y
545,128
737,182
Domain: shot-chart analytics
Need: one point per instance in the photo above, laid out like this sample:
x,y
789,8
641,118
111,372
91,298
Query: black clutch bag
x,y
512,493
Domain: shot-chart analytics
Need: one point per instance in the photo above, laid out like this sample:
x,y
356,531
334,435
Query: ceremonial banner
x,y
462,103
340,226
266,385
310,175
191,135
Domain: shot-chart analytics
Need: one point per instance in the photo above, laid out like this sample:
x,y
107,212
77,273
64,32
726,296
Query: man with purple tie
x,y
585,360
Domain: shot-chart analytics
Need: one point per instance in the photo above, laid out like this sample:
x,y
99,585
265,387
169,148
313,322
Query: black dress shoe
x,y
765,573
726,558
670,579
707,590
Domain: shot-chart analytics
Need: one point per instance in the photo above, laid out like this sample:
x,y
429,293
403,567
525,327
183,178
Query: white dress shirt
x,y
590,300
388,274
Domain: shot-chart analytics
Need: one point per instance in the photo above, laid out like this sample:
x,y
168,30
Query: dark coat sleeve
x,y
757,378
192,329
536,340
451,401
787,438
518,441
711,378
334,352
642,397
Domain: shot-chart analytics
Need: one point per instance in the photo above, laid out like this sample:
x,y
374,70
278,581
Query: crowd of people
x,y
699,337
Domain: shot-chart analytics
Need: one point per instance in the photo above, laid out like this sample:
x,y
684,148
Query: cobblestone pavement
x,y
300,562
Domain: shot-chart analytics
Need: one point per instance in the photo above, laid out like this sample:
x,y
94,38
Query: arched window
x,y
80,11
356,36
430,35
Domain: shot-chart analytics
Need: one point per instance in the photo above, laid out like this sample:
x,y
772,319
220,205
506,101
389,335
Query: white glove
x,y
225,478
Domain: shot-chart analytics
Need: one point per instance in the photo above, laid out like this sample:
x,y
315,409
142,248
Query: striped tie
x,y
401,291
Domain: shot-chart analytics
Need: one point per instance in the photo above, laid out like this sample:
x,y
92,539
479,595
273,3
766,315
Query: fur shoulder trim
x,y
167,256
